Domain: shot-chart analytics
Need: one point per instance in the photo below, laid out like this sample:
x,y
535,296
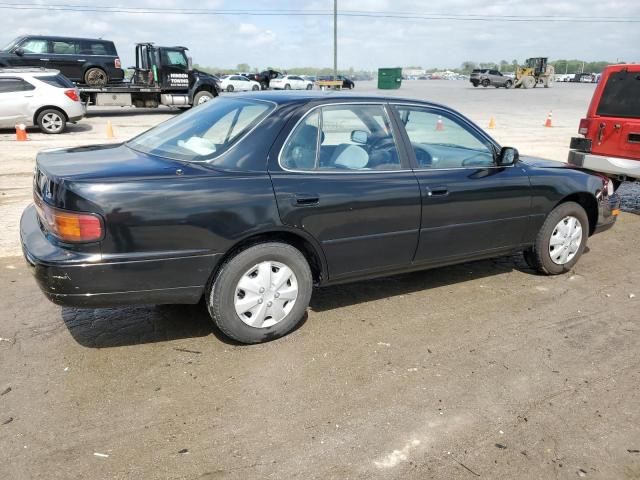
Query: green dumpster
x,y
389,78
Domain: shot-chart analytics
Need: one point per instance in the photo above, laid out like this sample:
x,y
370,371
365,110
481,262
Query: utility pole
x,y
335,39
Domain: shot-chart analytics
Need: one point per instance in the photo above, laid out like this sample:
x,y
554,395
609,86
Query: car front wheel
x,y
261,294
560,241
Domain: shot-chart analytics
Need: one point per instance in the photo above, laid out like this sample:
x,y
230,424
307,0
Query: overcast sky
x,y
368,43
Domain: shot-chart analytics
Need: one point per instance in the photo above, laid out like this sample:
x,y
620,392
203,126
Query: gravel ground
x,y
480,370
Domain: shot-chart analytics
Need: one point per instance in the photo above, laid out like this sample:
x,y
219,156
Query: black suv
x,y
83,60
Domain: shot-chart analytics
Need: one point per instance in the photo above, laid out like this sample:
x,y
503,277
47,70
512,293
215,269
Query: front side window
x,y
342,138
442,142
174,58
203,133
35,46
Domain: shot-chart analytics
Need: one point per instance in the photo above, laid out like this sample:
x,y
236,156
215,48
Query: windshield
x,y
11,44
205,132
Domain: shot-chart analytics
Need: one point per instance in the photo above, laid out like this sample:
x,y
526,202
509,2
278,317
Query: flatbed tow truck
x,y
161,76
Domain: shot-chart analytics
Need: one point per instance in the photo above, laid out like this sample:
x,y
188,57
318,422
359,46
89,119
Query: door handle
x,y
44,59
306,200
28,96
81,60
601,132
437,192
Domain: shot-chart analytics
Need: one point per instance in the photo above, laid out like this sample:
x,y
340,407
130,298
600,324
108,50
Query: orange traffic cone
x,y
547,123
21,132
110,130
492,123
439,124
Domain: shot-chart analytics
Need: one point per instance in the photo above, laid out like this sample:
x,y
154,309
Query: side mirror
x,y
19,51
359,136
508,156
189,64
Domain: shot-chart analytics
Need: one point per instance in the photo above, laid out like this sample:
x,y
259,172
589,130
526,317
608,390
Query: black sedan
x,y
248,202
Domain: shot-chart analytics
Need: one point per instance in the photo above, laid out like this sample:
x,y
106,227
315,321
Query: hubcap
x,y
565,240
52,122
265,294
203,99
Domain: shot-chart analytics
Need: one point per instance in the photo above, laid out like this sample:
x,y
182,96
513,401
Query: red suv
x,y
611,142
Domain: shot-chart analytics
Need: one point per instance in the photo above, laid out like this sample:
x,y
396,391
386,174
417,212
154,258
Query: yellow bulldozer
x,y
535,72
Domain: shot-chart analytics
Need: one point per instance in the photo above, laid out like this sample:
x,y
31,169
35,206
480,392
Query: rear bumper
x,y
608,210
71,278
622,167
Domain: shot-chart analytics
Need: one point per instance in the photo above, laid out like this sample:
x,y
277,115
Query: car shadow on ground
x,y
136,325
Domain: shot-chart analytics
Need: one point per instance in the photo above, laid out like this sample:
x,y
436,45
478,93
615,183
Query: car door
x,y
66,58
469,205
34,53
341,177
15,98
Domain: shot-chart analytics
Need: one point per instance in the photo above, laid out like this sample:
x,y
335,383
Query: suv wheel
x,y
486,82
560,241
261,294
96,77
51,121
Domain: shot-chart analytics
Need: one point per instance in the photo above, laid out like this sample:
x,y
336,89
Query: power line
x,y
320,13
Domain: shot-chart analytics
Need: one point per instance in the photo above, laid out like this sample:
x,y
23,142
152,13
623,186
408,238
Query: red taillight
x,y
72,94
70,226
117,63
585,123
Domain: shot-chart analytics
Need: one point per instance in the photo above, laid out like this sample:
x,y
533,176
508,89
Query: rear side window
x,y
8,85
621,96
56,81
65,47
89,47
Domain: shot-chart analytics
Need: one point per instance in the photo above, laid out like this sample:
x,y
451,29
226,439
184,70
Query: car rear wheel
x,y
255,88
51,121
486,82
230,88
96,77
310,86
287,87
561,240
261,294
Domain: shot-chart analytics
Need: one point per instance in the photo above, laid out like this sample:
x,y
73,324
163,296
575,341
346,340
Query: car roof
x,y
281,97
28,71
53,37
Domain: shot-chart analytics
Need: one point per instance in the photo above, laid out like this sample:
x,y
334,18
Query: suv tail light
x,y
74,227
583,129
72,94
117,63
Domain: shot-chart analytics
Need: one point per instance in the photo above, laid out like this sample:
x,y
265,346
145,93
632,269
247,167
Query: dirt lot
x,y
482,370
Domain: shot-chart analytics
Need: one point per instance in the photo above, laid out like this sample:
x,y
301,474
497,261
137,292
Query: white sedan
x,y
291,82
238,82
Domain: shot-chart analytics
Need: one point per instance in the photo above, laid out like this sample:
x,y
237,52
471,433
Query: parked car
x,y
346,82
291,82
610,141
35,96
248,202
231,83
487,77
93,62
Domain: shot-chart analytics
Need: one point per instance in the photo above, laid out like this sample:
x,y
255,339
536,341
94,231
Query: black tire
x,y
508,84
539,257
96,77
51,121
222,293
475,84
255,88
229,88
287,87
486,83
310,86
203,96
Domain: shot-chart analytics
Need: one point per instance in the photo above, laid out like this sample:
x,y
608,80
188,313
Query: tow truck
x,y
161,76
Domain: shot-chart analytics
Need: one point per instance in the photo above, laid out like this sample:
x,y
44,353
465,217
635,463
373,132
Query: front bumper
x,y
621,167
79,279
608,210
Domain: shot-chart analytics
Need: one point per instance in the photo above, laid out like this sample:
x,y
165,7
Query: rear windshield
x,y
205,132
621,96
56,81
